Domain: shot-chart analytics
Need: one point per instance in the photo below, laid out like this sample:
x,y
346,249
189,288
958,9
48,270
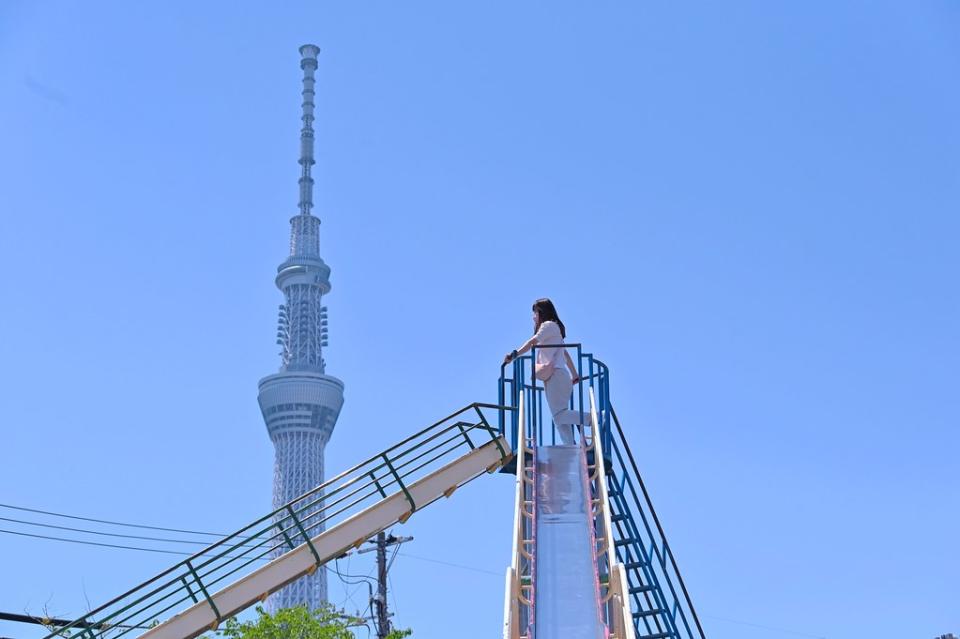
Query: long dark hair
x,y
547,312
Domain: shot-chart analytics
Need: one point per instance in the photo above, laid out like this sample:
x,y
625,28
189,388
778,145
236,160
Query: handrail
x,y
521,575
293,524
518,594
592,373
620,622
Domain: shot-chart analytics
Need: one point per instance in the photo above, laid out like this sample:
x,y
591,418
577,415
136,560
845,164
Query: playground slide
x,y
567,600
551,589
565,580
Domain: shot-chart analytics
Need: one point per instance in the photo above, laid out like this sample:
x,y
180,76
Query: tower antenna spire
x,y
300,403
308,62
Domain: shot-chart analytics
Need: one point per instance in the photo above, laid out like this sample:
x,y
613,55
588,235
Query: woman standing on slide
x,y
552,366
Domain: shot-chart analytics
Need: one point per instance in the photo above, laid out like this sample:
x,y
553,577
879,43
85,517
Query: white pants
x,y
557,390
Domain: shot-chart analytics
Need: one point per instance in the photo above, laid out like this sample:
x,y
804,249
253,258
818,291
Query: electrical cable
x,y
187,554
449,563
106,521
393,591
342,575
99,544
95,543
396,549
365,581
105,534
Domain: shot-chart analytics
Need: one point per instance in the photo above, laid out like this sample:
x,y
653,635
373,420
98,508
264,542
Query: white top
x,y
548,334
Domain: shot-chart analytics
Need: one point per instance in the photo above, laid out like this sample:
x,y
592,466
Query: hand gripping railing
x,y
518,612
400,474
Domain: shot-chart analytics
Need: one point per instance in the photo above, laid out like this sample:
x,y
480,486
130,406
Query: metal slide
x,y
567,596
197,594
590,557
565,581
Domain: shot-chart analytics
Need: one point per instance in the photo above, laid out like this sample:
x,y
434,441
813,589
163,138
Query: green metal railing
x,y
197,578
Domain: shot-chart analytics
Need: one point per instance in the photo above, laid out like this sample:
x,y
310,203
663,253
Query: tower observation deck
x,y
301,403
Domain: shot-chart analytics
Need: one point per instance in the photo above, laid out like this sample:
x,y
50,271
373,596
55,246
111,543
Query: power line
x,y
109,534
175,552
114,523
105,534
95,543
171,552
364,580
451,564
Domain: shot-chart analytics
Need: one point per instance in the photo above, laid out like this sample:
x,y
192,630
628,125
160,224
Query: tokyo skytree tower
x,y
301,403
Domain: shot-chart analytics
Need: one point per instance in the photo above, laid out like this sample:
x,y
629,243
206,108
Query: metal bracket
x,y
203,589
306,537
413,504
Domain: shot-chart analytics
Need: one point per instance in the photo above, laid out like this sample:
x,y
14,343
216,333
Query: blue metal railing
x,y
522,380
660,602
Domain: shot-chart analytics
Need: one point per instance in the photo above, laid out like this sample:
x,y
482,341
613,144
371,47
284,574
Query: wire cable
x,y
95,543
451,564
105,534
113,523
187,554
364,581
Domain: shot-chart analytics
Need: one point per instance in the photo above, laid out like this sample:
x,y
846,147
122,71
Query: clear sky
x,y
750,210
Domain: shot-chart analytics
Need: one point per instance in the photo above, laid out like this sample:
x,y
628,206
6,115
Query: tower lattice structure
x,y
301,403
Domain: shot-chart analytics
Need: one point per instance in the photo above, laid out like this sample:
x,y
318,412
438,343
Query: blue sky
x,y
748,210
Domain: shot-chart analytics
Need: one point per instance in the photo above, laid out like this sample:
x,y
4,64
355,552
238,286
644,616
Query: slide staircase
x,y
232,574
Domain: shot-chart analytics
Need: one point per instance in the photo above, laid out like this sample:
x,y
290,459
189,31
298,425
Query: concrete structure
x,y
301,403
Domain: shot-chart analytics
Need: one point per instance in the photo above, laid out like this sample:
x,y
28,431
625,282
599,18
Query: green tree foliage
x,y
298,623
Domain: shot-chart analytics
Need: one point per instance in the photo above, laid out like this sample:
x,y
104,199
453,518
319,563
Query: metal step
x,y
634,565
648,613
659,635
637,589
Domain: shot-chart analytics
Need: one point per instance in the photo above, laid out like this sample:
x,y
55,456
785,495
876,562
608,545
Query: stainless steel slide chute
x,y
567,600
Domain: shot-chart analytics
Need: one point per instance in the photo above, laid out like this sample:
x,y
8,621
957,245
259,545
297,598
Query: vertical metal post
x,y
383,620
534,404
605,392
500,398
580,384
517,391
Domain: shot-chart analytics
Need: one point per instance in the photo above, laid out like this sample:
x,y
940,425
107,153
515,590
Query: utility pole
x,y
383,620
381,615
